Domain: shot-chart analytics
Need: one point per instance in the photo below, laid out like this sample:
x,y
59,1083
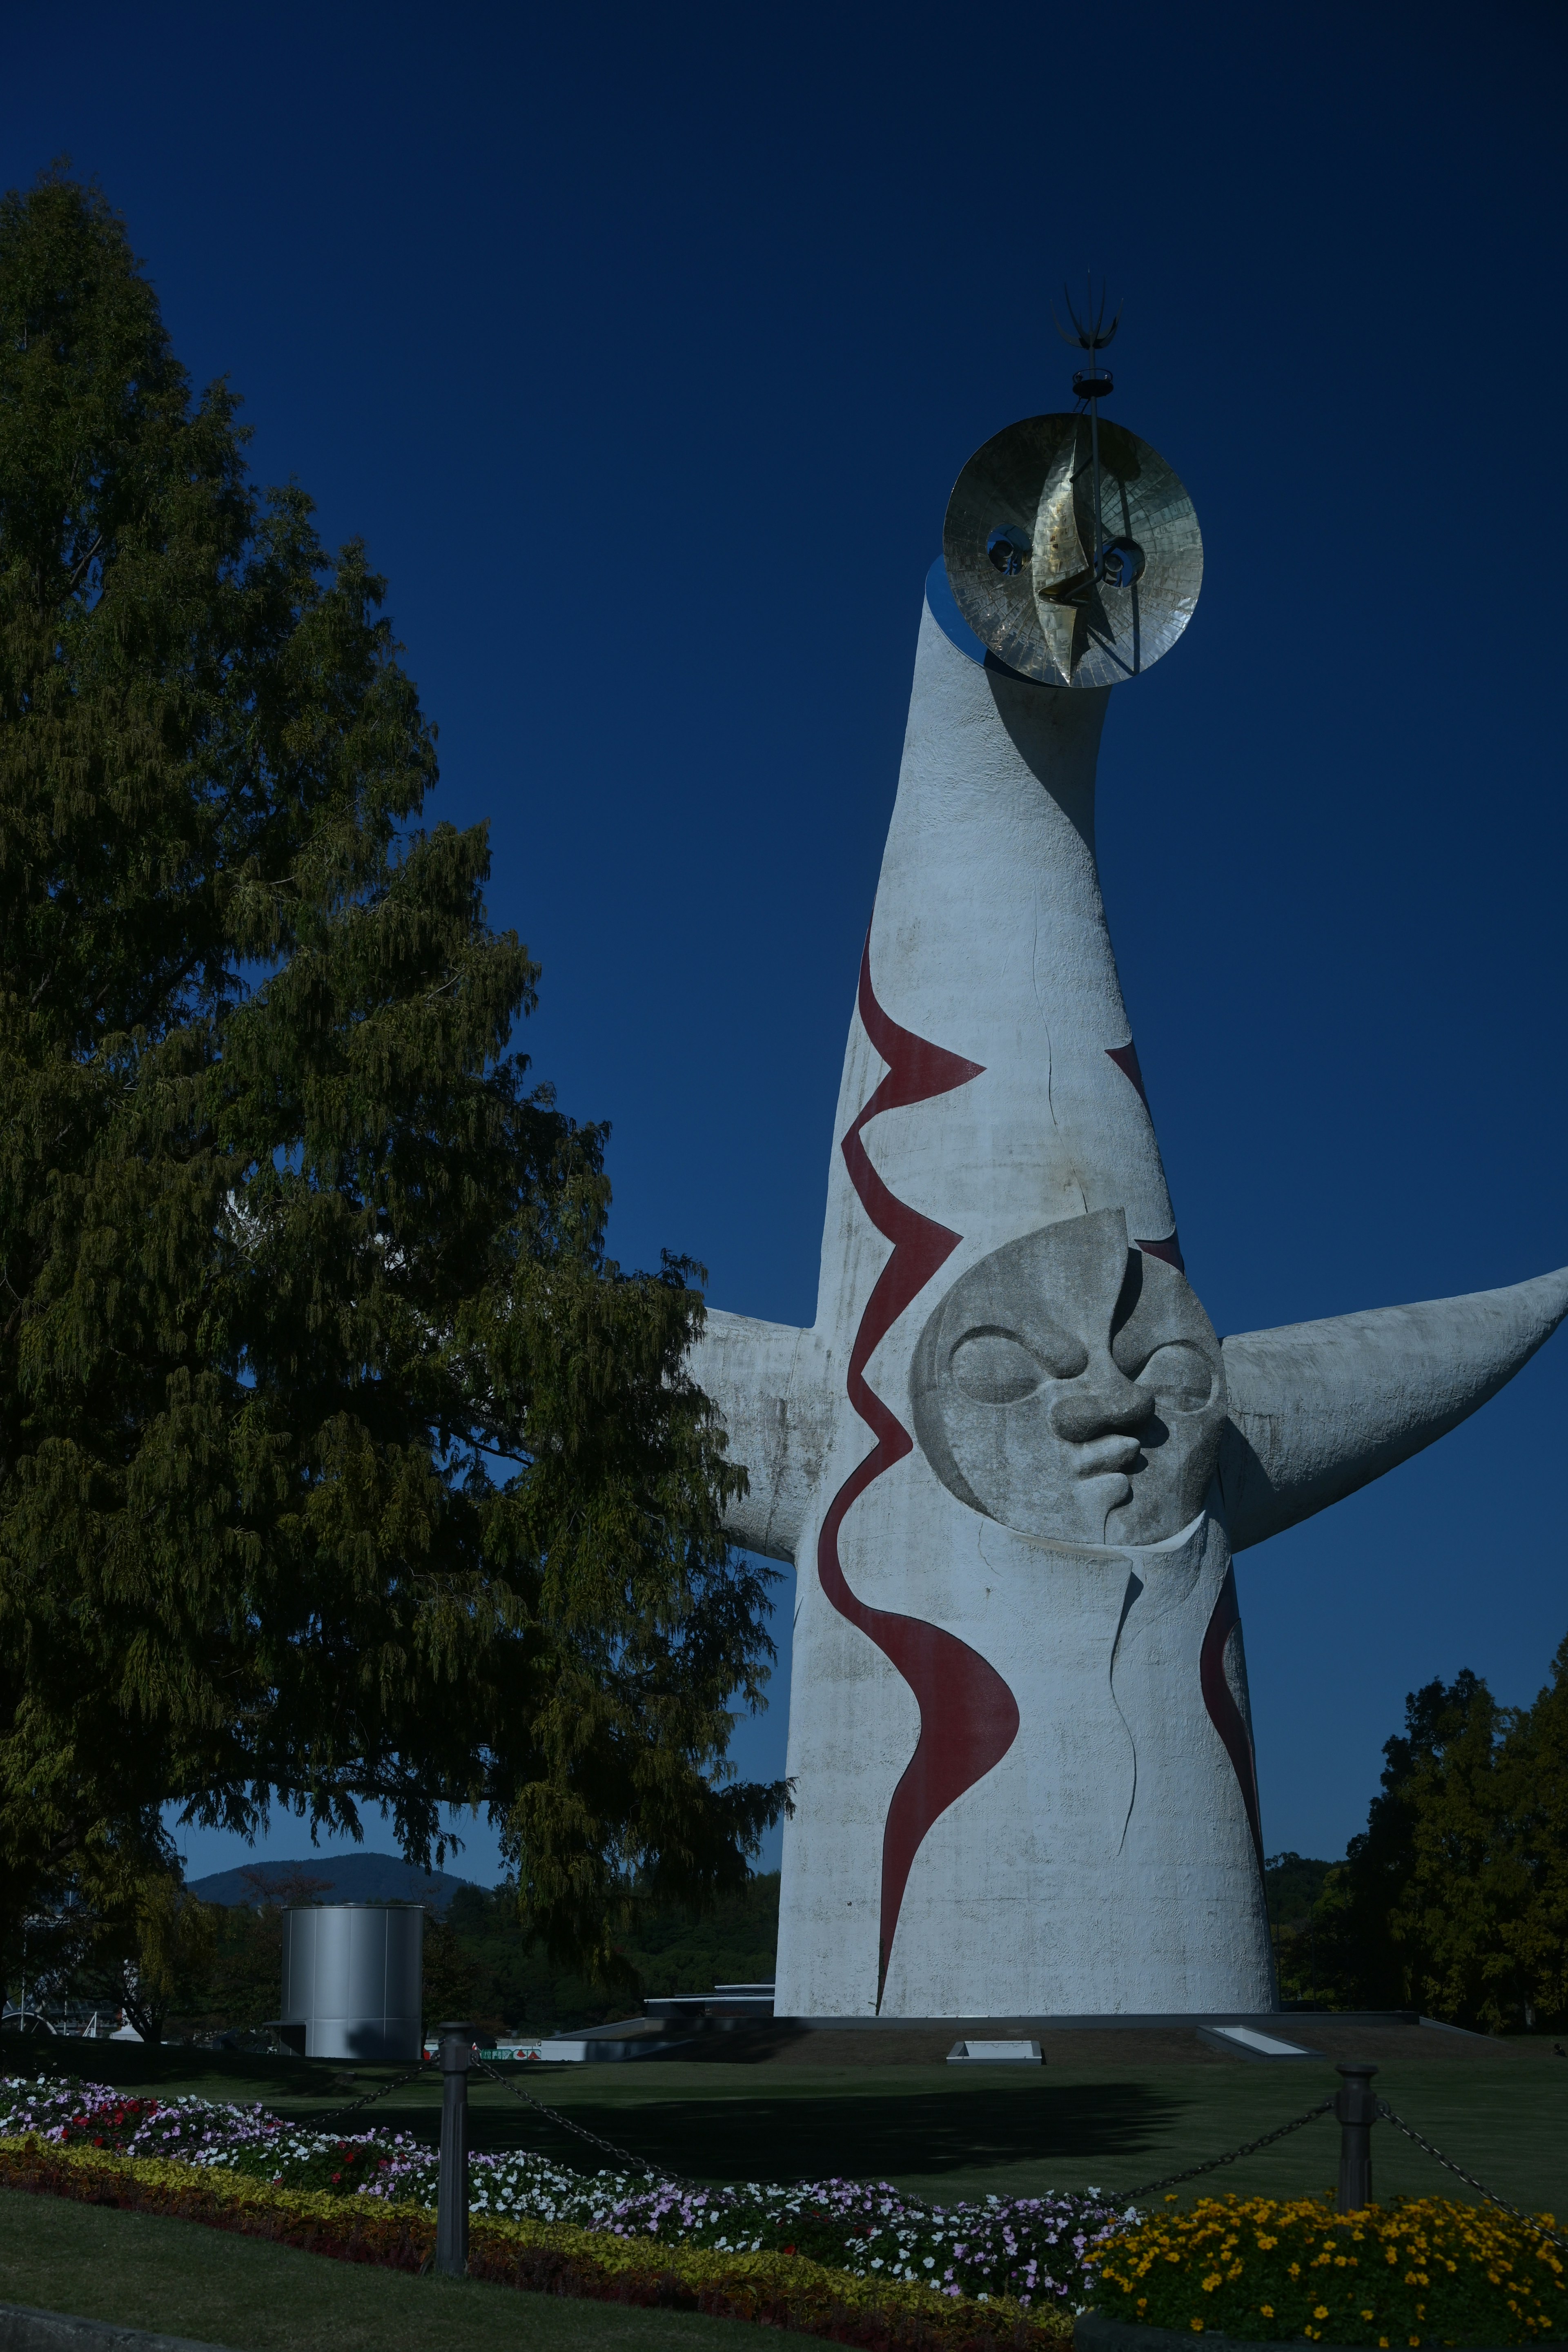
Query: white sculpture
x,y
1011,1461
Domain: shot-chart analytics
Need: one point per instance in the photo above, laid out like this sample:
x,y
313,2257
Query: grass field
x,y
183,2280
1103,2111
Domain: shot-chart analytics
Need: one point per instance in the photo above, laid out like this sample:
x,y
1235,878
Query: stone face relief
x,y
1069,1386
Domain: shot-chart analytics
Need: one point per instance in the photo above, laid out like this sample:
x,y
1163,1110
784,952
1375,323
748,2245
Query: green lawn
x,y
183,2280
944,2132
1101,2113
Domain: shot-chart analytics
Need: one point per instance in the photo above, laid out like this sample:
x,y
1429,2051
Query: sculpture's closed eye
x,y
1180,1376
996,1368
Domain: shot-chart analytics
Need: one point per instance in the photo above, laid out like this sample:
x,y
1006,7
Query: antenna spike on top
x,y
1089,332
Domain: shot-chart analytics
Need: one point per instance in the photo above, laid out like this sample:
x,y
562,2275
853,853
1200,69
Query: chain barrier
x,y
371,2099
1540,2228
624,2156
1247,2148
1119,2197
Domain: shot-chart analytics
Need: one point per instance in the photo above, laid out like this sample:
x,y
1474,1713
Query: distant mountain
x,y
331,1878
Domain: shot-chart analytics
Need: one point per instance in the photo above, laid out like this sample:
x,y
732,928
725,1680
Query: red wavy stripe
x,y
1223,1713
969,1717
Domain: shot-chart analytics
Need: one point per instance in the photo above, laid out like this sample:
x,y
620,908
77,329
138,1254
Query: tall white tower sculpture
x,y
1010,1460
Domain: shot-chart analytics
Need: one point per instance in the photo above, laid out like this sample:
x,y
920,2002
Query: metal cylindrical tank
x,y
354,1980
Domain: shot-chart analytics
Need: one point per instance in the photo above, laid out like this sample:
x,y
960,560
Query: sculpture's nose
x,y
1102,1406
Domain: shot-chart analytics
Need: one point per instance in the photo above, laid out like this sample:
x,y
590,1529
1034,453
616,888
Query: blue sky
x,y
643,347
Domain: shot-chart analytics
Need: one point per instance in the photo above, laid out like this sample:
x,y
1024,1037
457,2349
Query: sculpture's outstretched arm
x,y
1320,1408
770,1384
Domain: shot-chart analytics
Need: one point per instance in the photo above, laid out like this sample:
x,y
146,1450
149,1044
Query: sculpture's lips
x,y
1114,1453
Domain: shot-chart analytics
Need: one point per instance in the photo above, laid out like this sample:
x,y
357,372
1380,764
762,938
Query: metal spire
x,y
1092,384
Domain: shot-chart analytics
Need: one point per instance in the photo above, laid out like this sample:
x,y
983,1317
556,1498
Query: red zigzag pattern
x,y
969,1717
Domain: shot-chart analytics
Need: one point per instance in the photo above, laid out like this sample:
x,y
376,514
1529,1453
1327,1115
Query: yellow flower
x,y
1320,2311
1366,2314
1197,2325
1266,2310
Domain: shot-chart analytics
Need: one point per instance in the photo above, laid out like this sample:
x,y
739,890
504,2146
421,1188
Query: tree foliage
x,y
338,1463
1292,1883
1454,1899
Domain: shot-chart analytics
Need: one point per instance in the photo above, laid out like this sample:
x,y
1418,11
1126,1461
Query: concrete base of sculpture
x,y
1184,2020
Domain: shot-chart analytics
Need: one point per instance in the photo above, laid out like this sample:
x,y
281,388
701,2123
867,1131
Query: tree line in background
x,y
1453,1901
221,1964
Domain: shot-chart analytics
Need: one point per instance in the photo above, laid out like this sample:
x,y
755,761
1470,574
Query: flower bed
x,y
1031,2250
1419,2271
775,2288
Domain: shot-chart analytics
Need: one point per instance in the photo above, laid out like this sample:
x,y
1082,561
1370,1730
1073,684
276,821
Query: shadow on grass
x,y
855,2135
863,2136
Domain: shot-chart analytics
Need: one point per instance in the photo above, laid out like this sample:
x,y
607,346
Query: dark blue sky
x,y
643,348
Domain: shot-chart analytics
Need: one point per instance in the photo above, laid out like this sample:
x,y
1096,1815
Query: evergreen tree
x,y
1465,1891
1292,1883
1454,1899
338,1463
1370,1948
1534,1766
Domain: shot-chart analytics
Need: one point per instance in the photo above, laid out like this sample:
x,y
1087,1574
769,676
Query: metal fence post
x,y
452,2195
1357,2107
